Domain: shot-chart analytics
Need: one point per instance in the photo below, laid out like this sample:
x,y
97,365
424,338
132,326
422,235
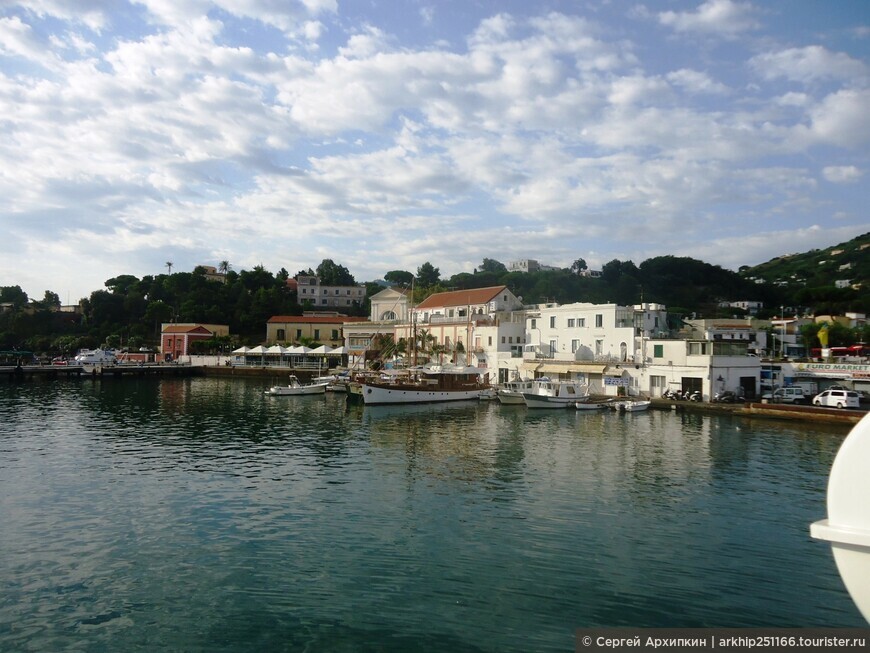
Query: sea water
x,y
200,515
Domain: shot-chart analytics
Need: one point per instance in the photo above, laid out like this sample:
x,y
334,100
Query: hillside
x,y
818,267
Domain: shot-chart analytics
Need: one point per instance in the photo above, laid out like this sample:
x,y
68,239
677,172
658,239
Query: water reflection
x,y
200,514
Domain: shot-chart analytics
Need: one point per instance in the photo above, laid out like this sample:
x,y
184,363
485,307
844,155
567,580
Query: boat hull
x,y
289,391
511,398
380,395
544,401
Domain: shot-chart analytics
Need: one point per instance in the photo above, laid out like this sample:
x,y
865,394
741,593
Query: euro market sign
x,y
834,369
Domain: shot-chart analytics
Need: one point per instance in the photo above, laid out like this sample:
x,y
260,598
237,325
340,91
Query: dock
x,y
32,372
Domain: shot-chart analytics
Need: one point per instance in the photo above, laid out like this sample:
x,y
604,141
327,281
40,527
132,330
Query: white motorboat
x,y
631,405
555,394
297,388
512,391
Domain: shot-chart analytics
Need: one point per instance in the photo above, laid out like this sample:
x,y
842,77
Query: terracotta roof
x,y
313,319
186,328
462,297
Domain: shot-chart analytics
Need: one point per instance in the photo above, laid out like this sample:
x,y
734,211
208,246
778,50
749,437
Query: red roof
x,y
186,329
462,297
313,319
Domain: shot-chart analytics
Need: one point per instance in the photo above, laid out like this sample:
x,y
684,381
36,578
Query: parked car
x,y
786,396
837,399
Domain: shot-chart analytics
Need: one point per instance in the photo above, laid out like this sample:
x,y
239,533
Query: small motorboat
x,y
633,406
589,405
296,388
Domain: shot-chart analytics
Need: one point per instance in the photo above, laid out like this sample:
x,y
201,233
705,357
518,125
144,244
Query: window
x,y
581,322
503,340
534,324
658,351
324,301
334,334
552,321
599,320
489,341
575,345
571,322
298,333
280,335
510,340
336,291
317,334
552,347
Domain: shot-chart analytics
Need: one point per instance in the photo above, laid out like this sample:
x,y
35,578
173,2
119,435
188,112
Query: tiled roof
x,y
186,328
462,297
313,319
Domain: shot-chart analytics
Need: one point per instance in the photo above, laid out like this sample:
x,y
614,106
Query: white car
x,y
837,399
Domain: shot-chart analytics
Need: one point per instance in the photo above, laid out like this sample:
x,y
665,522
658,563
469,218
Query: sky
x,y
386,134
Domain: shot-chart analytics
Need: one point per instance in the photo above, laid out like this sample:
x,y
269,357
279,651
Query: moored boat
x,y
433,384
297,388
512,391
555,394
632,405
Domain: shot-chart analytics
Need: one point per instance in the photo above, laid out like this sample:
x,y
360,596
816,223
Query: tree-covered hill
x,y
810,279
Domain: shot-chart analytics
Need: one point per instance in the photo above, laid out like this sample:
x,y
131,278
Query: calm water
x,y
197,514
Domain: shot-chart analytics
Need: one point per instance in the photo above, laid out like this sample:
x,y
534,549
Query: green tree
x,y
50,301
332,274
13,295
428,275
491,265
578,266
399,278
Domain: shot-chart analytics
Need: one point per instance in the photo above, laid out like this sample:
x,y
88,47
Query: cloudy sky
x,y
383,134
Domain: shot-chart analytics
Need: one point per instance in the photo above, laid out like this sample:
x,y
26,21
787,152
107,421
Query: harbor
x,y
198,514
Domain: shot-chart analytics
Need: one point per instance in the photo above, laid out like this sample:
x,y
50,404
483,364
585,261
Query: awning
x,y
569,368
531,366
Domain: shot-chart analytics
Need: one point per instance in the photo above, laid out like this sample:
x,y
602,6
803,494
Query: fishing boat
x,y
555,394
589,405
423,385
297,388
512,391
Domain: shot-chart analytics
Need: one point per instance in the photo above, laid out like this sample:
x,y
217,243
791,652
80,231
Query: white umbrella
x,y
241,351
299,349
321,350
338,351
259,349
276,349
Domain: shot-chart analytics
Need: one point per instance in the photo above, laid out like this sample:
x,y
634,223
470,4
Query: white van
x,y
790,395
837,399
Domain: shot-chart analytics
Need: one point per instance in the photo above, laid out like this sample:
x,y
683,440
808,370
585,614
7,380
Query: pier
x,y
32,372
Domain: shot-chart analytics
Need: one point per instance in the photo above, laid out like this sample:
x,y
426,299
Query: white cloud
x,y
842,118
721,17
693,81
842,174
809,64
548,132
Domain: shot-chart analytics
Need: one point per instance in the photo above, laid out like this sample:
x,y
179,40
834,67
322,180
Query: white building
x,y
751,331
590,342
703,365
310,292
